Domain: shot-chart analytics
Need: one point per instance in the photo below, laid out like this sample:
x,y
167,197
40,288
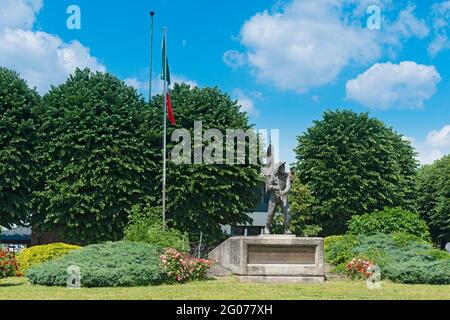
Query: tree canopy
x,y
96,155
433,198
354,164
17,143
203,196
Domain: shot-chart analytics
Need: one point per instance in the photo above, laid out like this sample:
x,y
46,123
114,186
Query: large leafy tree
x,y
96,155
433,198
203,196
17,142
354,164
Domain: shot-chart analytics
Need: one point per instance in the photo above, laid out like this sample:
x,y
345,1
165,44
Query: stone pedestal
x,y
272,258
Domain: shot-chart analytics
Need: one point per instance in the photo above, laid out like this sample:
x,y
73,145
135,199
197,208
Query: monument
x,y
274,258
279,184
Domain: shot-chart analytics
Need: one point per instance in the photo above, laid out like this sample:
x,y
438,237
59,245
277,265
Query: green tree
x,y
302,205
433,198
203,196
17,143
354,164
97,158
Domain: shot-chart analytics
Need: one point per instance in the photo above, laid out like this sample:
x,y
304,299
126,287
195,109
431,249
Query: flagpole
x,y
165,130
152,13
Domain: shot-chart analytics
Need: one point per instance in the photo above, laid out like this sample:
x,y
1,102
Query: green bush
x,y
34,255
388,221
112,264
401,257
146,226
339,250
406,258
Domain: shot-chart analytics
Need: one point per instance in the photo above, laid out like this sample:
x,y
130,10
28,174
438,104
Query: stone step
x,y
216,271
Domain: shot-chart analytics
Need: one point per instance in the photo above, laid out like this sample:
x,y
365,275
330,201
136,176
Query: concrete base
x,y
272,258
281,279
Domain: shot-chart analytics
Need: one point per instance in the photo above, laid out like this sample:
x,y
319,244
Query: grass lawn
x,y
226,289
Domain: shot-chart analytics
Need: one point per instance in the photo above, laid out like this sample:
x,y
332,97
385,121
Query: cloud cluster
x,y
41,58
441,22
307,43
386,85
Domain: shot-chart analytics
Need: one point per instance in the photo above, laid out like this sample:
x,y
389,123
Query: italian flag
x,y
165,76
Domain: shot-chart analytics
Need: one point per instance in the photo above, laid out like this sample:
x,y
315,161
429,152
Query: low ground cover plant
x,y
111,264
401,257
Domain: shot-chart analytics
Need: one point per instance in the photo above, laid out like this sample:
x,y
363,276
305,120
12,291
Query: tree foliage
x,y
17,143
433,198
389,220
96,157
302,205
354,164
203,196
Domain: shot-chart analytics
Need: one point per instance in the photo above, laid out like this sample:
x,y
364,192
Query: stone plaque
x,y
278,254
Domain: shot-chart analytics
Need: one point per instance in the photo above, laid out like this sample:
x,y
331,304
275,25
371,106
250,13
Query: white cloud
x,y
246,102
315,98
406,26
307,43
234,59
18,14
434,147
440,13
41,58
388,85
439,43
439,138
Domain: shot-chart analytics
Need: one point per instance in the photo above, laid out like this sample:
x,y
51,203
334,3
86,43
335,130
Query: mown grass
x,y
226,289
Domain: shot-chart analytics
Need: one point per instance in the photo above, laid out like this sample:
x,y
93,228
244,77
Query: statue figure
x,y
279,184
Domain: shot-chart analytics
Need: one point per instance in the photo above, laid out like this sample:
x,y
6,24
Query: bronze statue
x,y
279,184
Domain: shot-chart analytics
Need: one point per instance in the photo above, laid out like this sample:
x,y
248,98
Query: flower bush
x,y
181,267
8,265
358,267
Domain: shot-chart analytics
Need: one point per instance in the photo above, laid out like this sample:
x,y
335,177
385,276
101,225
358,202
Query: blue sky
x,y
285,61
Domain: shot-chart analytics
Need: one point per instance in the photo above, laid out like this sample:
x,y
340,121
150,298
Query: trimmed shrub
x,y
339,250
401,257
182,267
406,258
112,264
34,255
146,226
388,221
8,265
